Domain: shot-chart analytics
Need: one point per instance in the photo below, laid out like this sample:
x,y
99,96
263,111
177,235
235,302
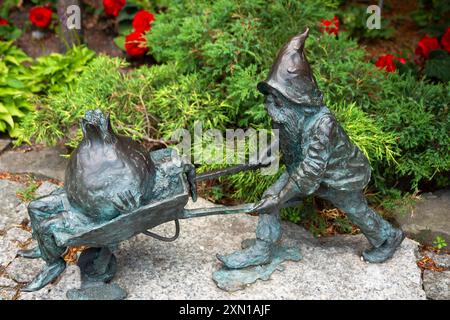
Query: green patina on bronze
x,y
115,190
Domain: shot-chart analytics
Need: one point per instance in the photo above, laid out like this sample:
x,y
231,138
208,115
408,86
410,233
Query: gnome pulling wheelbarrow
x,y
115,190
320,160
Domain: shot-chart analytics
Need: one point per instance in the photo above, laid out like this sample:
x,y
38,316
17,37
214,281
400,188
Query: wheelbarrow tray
x,y
171,193
128,225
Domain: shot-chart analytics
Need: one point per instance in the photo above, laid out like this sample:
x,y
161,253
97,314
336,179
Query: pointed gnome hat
x,y
291,75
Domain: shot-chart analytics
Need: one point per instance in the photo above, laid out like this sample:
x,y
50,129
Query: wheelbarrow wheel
x,y
97,265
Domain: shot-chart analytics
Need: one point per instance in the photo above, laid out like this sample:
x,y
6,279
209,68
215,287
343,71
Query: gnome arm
x,y
307,177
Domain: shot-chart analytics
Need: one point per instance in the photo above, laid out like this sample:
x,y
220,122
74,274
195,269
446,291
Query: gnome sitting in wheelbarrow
x,y
115,190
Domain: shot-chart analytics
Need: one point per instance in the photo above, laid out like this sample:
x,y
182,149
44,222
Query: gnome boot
x,y
386,250
50,273
257,254
32,253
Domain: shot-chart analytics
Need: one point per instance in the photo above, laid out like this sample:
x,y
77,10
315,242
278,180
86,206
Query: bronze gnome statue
x,y
114,189
320,160
108,175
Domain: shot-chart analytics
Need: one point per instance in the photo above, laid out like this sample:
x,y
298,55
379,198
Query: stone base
x,y
41,162
237,279
98,291
330,268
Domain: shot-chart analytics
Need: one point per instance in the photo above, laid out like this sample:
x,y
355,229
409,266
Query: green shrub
x,y
7,5
417,112
144,102
438,65
19,83
431,15
413,111
14,94
9,32
213,53
354,19
51,73
60,111
233,43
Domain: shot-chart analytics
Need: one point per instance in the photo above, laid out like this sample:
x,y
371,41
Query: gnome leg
x,y
52,254
44,222
268,232
41,210
381,234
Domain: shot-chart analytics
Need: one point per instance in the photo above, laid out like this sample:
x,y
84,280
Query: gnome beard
x,y
289,119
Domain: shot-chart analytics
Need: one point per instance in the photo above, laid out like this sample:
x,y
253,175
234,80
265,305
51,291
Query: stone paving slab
x,y
149,269
437,284
9,203
330,269
45,162
4,143
429,218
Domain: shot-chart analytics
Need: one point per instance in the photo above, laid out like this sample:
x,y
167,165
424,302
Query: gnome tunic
x,y
331,167
327,157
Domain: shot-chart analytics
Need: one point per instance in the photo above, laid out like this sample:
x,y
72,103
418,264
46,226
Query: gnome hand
x,y
125,202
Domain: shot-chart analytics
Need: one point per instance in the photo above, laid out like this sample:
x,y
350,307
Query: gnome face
x,y
291,75
286,115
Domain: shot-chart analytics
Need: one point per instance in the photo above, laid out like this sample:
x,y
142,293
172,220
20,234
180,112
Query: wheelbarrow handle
x,y
238,209
201,212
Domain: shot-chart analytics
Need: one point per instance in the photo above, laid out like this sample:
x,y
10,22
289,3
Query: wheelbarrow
x,y
174,185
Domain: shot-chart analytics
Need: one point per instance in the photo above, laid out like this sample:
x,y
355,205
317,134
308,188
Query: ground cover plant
x,y
23,78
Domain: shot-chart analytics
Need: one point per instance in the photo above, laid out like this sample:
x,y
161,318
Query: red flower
x,y
386,62
445,40
135,44
142,21
40,16
3,22
330,26
426,45
113,7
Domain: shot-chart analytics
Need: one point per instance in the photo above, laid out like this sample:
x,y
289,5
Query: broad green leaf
x,y
7,118
3,108
125,28
17,132
120,42
14,111
11,92
14,83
